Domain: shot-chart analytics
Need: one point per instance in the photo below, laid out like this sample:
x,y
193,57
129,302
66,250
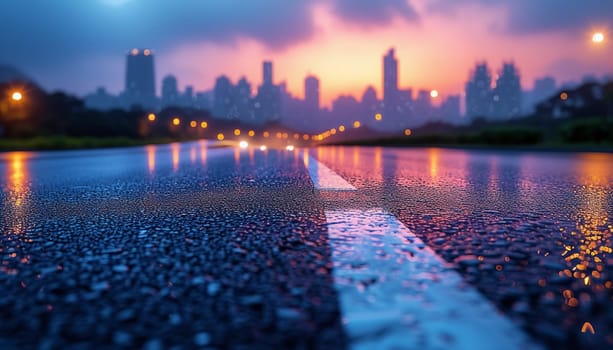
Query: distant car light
x,y
243,144
289,147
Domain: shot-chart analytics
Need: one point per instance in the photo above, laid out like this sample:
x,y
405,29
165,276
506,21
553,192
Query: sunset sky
x,y
77,45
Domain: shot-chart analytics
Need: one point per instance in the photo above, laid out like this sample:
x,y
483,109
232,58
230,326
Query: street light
x,y
16,96
151,117
598,37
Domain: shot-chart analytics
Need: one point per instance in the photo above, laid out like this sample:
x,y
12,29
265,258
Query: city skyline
x,y
439,42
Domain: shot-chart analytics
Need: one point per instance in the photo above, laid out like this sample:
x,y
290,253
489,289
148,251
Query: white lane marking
x,y
396,293
324,178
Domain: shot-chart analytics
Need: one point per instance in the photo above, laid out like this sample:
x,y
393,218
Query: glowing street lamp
x,y
237,132
357,124
16,96
407,132
220,137
151,117
204,125
176,121
598,37
378,117
341,128
193,124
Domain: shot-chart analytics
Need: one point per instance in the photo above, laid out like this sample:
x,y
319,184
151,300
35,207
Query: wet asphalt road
x,y
188,246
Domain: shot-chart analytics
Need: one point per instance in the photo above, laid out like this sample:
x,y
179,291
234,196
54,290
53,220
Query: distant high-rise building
x,y
170,91
422,108
311,94
242,99
140,79
543,88
267,73
223,98
450,109
390,84
188,97
506,96
268,101
478,92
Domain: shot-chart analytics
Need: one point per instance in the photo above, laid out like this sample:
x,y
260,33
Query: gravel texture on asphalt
x,y
227,253
531,231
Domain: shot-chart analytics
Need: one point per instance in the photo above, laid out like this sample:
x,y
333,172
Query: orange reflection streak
x,y
18,188
151,150
589,256
356,157
378,162
192,154
433,161
176,156
251,156
237,156
203,151
17,177
305,157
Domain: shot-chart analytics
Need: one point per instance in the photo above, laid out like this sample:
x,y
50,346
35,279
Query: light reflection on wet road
x,y
531,231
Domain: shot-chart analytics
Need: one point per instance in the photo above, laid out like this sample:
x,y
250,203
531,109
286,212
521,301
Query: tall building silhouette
x,y
478,92
170,91
390,86
544,88
311,94
223,98
268,99
267,73
140,79
242,100
506,96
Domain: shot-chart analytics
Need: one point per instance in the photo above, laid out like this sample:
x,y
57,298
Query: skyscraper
x,y
267,73
478,92
506,98
390,85
223,98
140,79
170,91
268,100
311,94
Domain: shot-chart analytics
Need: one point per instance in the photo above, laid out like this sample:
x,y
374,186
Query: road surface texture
x,y
187,246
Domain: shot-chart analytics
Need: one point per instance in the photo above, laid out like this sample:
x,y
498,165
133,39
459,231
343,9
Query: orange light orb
x,y
598,37
151,117
407,132
176,121
17,96
204,125
193,124
357,124
378,117
220,137
237,132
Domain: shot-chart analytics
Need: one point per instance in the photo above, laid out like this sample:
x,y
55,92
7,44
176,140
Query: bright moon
x,y
598,37
434,94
